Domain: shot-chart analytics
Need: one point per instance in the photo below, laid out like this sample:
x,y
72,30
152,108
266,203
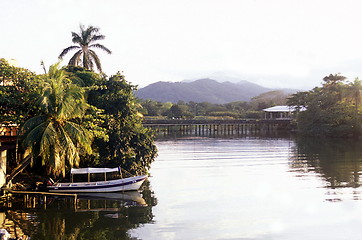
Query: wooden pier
x,y
33,198
217,127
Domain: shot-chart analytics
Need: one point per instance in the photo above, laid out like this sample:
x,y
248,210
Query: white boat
x,y
116,185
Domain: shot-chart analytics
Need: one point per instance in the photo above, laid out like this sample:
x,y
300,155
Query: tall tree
x,y
85,56
55,137
130,144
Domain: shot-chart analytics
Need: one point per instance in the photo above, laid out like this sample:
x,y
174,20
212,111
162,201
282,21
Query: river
x,y
221,188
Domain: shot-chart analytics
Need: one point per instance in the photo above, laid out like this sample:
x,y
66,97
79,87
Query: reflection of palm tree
x,y
54,137
60,221
85,56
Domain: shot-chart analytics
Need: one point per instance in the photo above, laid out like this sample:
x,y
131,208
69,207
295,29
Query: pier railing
x,y
217,127
198,127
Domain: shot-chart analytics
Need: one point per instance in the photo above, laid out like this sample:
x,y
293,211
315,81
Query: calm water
x,y
210,188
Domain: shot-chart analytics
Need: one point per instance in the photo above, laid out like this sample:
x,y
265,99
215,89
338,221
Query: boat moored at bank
x,y
105,185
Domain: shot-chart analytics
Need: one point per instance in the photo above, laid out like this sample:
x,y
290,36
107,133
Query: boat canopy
x,y
93,170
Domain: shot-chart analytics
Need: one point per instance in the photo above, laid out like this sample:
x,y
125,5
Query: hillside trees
x,y
238,109
154,108
192,110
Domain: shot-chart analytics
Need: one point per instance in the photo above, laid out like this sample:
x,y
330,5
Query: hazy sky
x,y
275,43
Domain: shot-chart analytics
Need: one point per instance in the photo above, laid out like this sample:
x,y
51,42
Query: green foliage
x,y
17,91
54,138
192,110
121,139
240,109
65,109
179,111
154,108
83,77
332,110
253,115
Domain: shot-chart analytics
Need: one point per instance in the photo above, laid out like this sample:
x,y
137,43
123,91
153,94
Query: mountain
x,y
202,90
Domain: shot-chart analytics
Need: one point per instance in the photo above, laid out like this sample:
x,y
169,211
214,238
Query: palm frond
x,y
70,152
88,33
56,73
100,46
82,136
66,50
83,58
94,56
32,123
97,37
73,104
87,61
55,165
75,60
49,146
33,137
76,38
52,136
50,96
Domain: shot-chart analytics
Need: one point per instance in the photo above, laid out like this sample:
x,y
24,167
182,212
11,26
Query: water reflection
x,y
106,216
218,135
337,161
218,188
255,188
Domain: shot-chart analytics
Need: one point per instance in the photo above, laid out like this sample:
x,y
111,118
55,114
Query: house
x,y
281,112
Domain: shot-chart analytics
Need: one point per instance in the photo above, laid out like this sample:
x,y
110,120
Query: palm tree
x,y
85,56
55,137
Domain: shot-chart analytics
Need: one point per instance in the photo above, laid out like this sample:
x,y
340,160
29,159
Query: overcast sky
x,y
275,43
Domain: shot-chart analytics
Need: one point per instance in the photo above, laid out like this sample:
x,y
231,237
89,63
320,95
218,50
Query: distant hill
x,y
271,98
202,90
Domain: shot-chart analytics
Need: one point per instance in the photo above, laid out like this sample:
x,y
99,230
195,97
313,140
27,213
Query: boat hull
x,y
124,184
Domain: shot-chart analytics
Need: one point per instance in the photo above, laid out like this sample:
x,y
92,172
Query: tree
x,y
354,93
328,113
175,112
17,89
128,144
154,108
85,56
55,136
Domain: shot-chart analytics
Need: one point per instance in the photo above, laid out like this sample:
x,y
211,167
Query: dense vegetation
x,y
61,112
17,93
72,116
333,110
236,110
